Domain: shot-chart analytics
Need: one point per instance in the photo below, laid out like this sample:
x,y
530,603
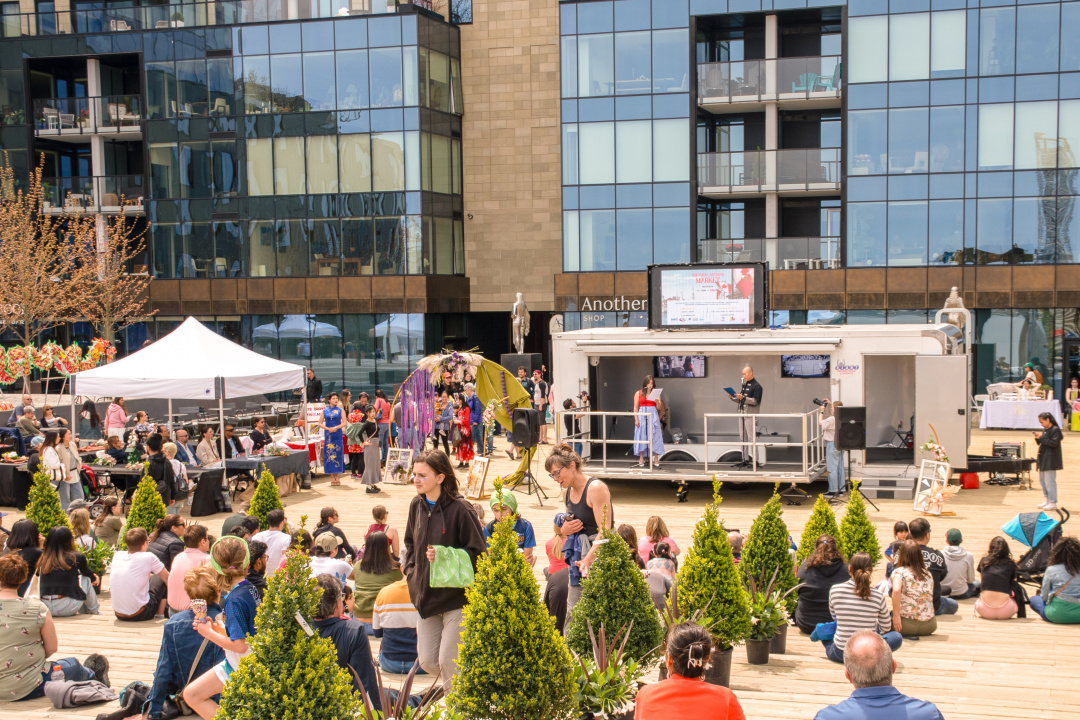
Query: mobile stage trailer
x,y
908,377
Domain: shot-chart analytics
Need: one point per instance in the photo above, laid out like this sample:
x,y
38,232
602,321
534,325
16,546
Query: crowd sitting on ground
x,y
161,573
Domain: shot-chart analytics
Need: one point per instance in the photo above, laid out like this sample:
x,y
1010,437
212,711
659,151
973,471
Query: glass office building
x,y
874,153
296,167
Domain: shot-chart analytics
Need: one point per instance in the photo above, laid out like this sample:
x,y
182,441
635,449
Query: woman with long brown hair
x,y
1059,599
438,515
376,570
644,405
109,523
913,592
997,573
67,585
823,569
858,605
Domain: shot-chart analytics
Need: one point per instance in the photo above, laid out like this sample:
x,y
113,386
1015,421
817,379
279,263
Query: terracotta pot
x,y
720,672
757,651
779,641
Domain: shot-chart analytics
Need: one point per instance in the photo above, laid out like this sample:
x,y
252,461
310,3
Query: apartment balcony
x,y
785,253
746,86
106,194
811,171
75,120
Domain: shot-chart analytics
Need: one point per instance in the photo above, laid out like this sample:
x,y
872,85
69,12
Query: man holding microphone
x,y
749,403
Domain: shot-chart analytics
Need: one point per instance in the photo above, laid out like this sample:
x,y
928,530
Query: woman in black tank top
x,y
565,467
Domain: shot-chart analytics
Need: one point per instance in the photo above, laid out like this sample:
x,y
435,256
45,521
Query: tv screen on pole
x,y
724,296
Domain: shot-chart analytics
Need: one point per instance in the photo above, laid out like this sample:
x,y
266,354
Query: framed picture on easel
x,y
398,466
930,491
478,470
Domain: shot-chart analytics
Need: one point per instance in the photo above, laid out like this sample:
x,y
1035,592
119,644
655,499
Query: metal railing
x,y
810,440
179,15
101,193
78,115
775,79
790,253
761,170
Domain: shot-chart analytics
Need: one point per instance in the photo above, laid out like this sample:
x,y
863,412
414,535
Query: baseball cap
x,y
506,498
328,541
953,537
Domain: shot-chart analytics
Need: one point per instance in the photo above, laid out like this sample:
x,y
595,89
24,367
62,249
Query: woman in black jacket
x,y
166,541
160,470
67,585
819,572
438,515
1049,462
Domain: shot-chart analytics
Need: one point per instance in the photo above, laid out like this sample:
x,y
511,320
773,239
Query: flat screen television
x,y
679,366
717,296
804,366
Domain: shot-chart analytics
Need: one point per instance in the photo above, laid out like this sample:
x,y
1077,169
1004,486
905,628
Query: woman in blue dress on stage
x,y
333,423
642,403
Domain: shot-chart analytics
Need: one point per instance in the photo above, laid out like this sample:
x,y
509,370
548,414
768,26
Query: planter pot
x,y
779,641
757,651
720,672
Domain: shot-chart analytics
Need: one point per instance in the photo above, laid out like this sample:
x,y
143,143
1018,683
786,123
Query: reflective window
x,y
670,228
1037,38
387,161
907,233
671,150
997,41
196,175
946,139
1069,133
948,40
597,240
597,150
164,171
322,163
946,239
633,63
868,48
866,224
568,66
319,86
1036,130
909,46
287,78
994,231
191,81
289,174
596,69
352,79
260,167
1067,237
867,144
995,137
634,232
632,165
571,242
908,142
670,51
385,68
257,84
1070,36
1033,236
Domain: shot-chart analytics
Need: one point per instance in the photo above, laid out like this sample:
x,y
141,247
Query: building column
x,y
97,144
772,39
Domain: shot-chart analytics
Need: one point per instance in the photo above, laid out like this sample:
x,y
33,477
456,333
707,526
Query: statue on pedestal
x,y
520,316
955,301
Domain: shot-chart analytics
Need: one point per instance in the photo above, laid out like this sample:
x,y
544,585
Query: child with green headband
x,y
229,558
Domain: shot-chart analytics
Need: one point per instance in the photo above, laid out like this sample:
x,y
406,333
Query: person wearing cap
x,y
959,568
323,560
540,399
504,504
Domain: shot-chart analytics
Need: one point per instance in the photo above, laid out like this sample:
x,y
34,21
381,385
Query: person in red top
x,y
356,452
463,420
685,694
382,418
745,284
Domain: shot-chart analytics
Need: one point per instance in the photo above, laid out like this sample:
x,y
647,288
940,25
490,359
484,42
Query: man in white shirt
x,y
138,580
276,539
323,561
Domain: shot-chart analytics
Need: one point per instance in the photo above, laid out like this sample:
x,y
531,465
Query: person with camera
x,y
834,458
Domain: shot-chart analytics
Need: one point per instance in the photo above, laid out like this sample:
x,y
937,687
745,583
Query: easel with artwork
x,y
933,489
398,469
478,470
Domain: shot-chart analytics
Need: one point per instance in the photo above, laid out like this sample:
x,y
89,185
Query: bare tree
x,y
38,257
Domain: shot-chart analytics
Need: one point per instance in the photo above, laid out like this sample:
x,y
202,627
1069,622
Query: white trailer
x,y
908,377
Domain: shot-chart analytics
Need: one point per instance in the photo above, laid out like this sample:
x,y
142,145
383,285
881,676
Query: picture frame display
x,y
478,470
933,476
398,470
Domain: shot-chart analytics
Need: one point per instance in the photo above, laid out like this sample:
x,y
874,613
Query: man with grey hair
x,y
349,637
476,419
869,666
749,403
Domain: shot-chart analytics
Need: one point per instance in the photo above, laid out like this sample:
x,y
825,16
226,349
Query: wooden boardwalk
x,y
972,668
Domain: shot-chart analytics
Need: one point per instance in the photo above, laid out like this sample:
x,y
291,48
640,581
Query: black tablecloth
x,y
207,496
14,486
296,462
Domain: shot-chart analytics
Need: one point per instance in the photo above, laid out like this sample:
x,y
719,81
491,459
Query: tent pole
x,y
168,420
221,428
305,483
73,425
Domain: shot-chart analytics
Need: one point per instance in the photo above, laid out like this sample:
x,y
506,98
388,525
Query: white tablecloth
x,y
1017,414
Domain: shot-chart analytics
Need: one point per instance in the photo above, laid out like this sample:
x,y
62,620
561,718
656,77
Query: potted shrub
x,y
768,548
147,508
265,499
44,506
177,19
607,681
821,522
615,595
708,580
768,614
513,664
857,533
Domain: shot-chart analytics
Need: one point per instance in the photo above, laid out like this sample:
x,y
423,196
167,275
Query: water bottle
x,y
57,673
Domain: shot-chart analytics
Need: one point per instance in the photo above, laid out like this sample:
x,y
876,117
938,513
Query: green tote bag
x,y
452,567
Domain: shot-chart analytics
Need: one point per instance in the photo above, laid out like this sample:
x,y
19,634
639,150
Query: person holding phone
x,y
749,403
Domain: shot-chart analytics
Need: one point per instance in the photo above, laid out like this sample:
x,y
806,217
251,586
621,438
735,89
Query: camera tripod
x,y
845,495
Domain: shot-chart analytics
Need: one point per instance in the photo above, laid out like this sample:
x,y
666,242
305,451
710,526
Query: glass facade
x,y
626,134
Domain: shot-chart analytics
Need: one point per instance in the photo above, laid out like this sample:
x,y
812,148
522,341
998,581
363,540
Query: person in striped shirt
x,y
394,619
857,605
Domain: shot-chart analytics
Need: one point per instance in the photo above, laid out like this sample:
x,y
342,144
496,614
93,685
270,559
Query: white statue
x,y
955,301
520,316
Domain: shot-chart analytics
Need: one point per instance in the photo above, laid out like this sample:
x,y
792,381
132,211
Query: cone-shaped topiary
x,y
768,547
44,507
513,663
822,521
708,577
147,508
289,674
857,533
612,596
265,499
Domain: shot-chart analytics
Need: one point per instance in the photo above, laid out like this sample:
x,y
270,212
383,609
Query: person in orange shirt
x,y
684,693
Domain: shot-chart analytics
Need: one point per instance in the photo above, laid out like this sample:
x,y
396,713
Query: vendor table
x,y
15,484
1017,414
295,463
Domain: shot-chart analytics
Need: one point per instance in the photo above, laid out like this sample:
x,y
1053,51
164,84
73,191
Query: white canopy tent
x,y
192,363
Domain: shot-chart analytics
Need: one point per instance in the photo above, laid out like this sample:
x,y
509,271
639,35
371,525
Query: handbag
x,y
174,705
452,567
455,436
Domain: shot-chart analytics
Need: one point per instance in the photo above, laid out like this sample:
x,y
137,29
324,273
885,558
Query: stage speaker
x,y
850,428
525,432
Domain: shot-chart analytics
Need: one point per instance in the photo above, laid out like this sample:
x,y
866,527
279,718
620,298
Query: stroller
x,y
1038,531
95,490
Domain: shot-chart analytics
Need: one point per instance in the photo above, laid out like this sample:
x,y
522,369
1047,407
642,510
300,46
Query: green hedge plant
x,y
44,507
513,664
822,521
147,508
768,548
857,533
265,499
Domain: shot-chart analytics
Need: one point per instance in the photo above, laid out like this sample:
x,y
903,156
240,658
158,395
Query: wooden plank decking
x,y
972,668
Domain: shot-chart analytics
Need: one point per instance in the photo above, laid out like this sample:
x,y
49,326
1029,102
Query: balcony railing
x,y
156,17
786,253
102,193
770,170
88,115
776,79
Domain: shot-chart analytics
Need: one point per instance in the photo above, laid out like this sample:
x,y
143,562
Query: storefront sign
x,y
843,368
621,303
